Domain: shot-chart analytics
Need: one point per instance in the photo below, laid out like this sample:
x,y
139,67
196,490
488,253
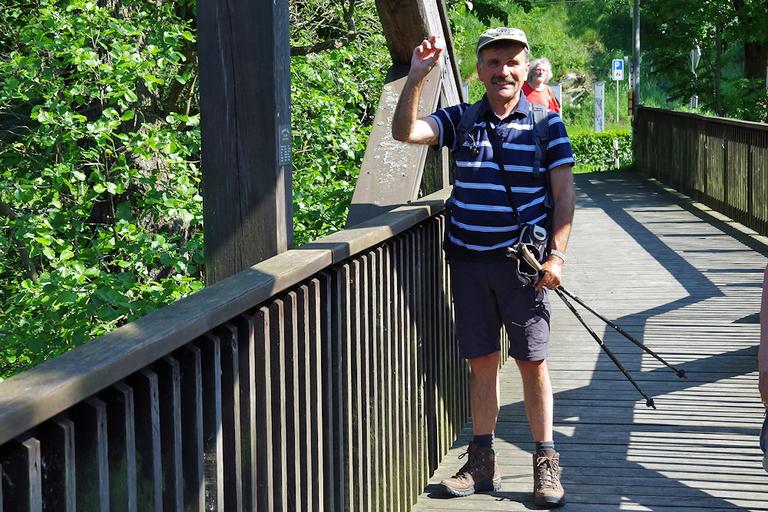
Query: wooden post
x,y
244,60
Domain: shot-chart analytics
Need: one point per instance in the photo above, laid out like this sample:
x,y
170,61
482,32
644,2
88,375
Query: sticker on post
x,y
284,146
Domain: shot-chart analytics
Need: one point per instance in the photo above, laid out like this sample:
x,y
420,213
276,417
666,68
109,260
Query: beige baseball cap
x,y
501,34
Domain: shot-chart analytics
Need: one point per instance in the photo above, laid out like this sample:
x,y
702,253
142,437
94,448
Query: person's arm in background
x,y
762,353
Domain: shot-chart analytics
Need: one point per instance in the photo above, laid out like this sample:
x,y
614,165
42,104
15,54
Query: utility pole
x,y
636,56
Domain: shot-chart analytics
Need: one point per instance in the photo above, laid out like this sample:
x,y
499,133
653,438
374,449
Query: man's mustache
x,y
503,80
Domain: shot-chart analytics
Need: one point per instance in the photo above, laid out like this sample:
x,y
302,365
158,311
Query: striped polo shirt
x,y
482,222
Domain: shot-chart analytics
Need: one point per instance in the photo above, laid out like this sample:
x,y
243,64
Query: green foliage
x,y
334,98
101,214
730,78
594,151
545,27
100,209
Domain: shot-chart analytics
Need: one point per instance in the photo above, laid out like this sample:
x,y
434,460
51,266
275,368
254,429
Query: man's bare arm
x,y
563,197
406,125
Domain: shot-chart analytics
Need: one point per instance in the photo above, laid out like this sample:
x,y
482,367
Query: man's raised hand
x,y
427,54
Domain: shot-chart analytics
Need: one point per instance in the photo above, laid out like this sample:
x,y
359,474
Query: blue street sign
x,y
617,69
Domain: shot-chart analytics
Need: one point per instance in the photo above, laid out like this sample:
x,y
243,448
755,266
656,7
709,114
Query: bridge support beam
x,y
393,173
244,55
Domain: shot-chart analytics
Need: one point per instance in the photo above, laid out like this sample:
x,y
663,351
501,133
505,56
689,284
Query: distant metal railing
x,y
720,162
325,378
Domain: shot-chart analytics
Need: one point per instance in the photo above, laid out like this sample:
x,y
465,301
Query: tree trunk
x,y
755,60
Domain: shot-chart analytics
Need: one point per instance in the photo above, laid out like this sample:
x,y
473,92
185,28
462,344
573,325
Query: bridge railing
x,y
325,378
721,162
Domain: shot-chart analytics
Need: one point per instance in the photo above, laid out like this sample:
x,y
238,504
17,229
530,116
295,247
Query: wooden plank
x,y
169,393
149,478
355,360
246,132
21,477
336,381
193,446
265,449
386,371
277,350
303,396
91,460
372,313
697,451
391,171
316,361
401,388
246,336
292,399
213,437
121,446
58,465
231,423
407,23
328,323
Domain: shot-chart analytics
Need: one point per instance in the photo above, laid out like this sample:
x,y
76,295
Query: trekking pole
x,y
535,264
648,400
680,373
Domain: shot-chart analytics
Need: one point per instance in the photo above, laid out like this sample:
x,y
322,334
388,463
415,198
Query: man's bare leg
x,y
480,473
537,393
484,393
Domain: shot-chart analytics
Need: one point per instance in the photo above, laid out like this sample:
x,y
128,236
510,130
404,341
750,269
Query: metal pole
x,y
617,102
636,55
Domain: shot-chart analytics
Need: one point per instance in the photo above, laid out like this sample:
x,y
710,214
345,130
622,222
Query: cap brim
x,y
496,40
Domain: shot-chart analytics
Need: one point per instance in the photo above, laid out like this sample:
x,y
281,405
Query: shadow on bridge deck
x,y
688,284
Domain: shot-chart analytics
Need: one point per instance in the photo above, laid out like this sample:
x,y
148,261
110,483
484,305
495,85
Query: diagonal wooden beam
x,y
392,172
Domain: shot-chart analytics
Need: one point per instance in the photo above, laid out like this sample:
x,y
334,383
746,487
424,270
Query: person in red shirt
x,y
536,89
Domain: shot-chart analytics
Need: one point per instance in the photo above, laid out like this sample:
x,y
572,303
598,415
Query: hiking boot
x,y
479,474
547,489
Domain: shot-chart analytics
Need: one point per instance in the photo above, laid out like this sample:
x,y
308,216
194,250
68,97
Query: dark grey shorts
x,y
489,294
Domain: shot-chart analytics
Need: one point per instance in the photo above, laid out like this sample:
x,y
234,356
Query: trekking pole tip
x,y
649,403
681,374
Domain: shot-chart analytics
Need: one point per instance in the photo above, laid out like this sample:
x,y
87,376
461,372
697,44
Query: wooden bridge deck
x,y
689,285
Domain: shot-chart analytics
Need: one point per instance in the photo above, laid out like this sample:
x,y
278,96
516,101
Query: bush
x,y
100,213
594,151
334,99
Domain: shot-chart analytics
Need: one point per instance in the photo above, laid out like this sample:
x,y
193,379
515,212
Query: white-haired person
x,y
536,89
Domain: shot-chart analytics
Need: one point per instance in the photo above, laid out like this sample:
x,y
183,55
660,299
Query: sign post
x,y
599,106
695,56
617,73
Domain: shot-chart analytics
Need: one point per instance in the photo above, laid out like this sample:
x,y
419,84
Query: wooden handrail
x,y
720,162
40,393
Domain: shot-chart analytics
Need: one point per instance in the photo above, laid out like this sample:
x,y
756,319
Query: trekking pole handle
x,y
531,259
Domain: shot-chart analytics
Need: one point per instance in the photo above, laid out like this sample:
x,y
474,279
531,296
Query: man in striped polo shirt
x,y
496,194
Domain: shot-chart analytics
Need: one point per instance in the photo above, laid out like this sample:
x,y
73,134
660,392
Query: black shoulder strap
x,y
540,135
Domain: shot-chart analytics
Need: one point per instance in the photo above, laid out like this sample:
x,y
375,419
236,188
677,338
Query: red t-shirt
x,y
545,97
